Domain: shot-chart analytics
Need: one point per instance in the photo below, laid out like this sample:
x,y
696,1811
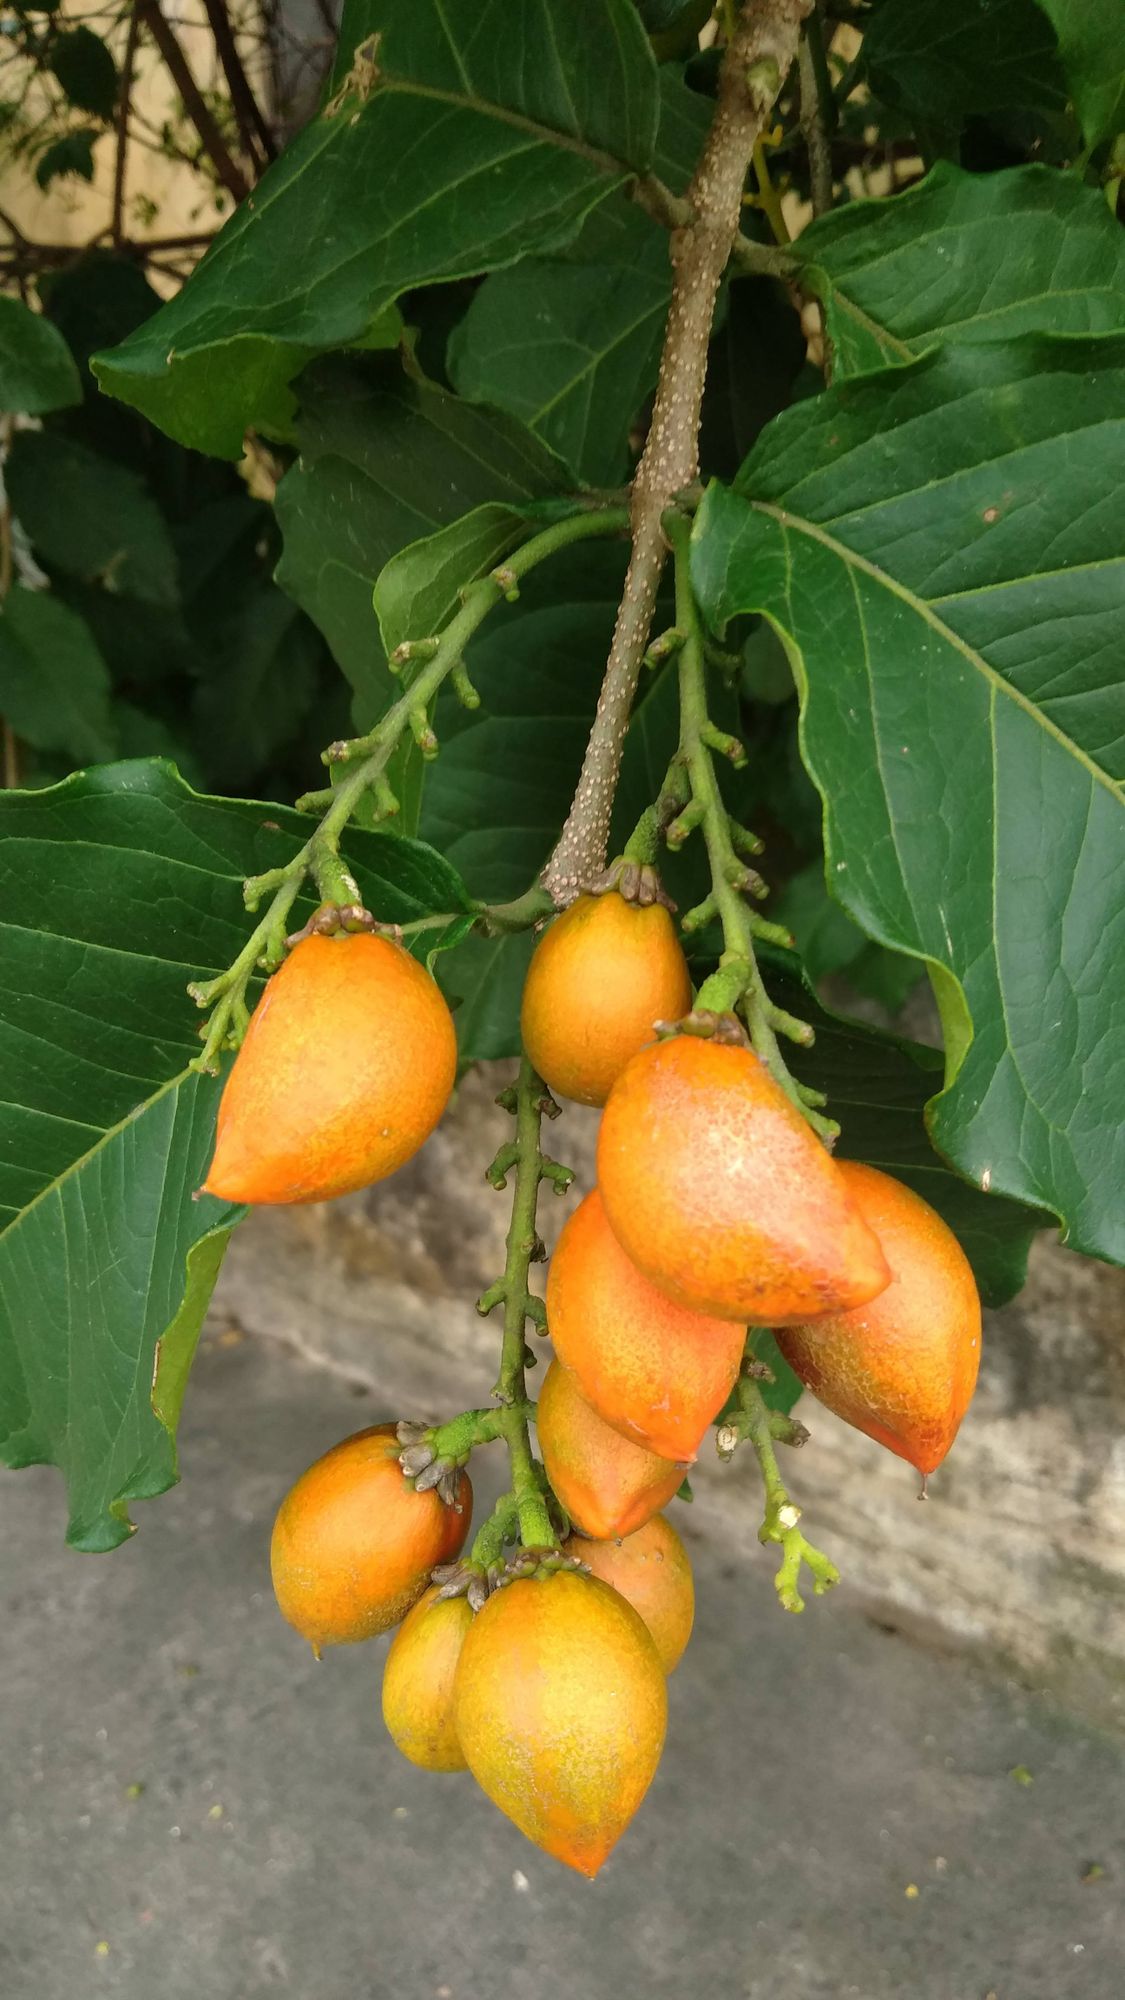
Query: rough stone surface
x,y
194,1808
1019,1552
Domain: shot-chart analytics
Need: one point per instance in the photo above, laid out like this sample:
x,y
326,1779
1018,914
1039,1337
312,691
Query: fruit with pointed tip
x,y
607,1485
651,1369
719,1191
560,1708
651,1570
346,1067
600,978
903,1367
418,1681
353,1544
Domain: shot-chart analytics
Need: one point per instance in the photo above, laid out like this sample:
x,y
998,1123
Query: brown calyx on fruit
x,y
634,881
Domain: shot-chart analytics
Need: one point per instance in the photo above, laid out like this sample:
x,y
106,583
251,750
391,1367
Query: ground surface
x,y
196,1811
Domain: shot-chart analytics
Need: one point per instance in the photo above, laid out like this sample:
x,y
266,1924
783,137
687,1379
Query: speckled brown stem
x,y
754,68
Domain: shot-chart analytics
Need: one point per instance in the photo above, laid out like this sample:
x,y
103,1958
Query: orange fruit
x,y
903,1367
353,1544
651,1570
720,1192
418,1681
607,1485
560,1708
346,1068
650,1368
601,976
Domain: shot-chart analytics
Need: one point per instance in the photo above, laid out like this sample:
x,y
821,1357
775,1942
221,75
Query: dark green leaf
x,y
966,257
36,369
91,517
54,686
483,981
940,60
104,1255
258,684
940,547
72,154
86,71
1092,47
828,941
451,154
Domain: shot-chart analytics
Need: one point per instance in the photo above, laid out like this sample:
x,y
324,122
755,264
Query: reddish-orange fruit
x,y
607,1485
902,1368
651,1570
560,1708
346,1068
602,975
653,1370
718,1189
353,1544
418,1681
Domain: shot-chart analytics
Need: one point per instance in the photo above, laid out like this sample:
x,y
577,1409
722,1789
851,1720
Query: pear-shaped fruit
x,y
601,976
607,1485
720,1192
651,1570
346,1068
902,1368
560,1709
418,1681
650,1368
353,1544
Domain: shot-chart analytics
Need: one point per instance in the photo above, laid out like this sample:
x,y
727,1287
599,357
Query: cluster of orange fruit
x,y
716,1208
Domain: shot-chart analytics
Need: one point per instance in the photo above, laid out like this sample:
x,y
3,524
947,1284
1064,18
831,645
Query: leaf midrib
x,y
923,610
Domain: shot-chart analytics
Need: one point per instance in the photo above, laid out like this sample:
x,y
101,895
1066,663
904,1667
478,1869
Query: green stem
x,y
738,981
501,1527
526,1162
756,1423
368,757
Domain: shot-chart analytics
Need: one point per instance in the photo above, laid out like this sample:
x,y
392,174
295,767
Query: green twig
x,y
737,986
366,759
761,1427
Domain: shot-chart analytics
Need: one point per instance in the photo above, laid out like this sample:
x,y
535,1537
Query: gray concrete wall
x,y
1019,1553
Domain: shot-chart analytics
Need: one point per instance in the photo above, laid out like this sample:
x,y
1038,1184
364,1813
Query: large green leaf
x,y
37,372
106,1132
469,132
1092,46
965,257
90,517
940,548
570,344
54,683
940,60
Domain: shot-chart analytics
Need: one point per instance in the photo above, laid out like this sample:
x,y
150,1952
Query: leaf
x,y
384,462
86,70
571,345
483,981
941,60
1092,47
54,684
72,154
965,257
453,152
259,682
106,1260
939,546
92,518
36,369
877,1087
828,941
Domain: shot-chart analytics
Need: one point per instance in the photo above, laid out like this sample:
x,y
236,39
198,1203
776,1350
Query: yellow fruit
x,y
720,1192
353,1544
602,975
418,1681
560,1709
651,1570
346,1068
